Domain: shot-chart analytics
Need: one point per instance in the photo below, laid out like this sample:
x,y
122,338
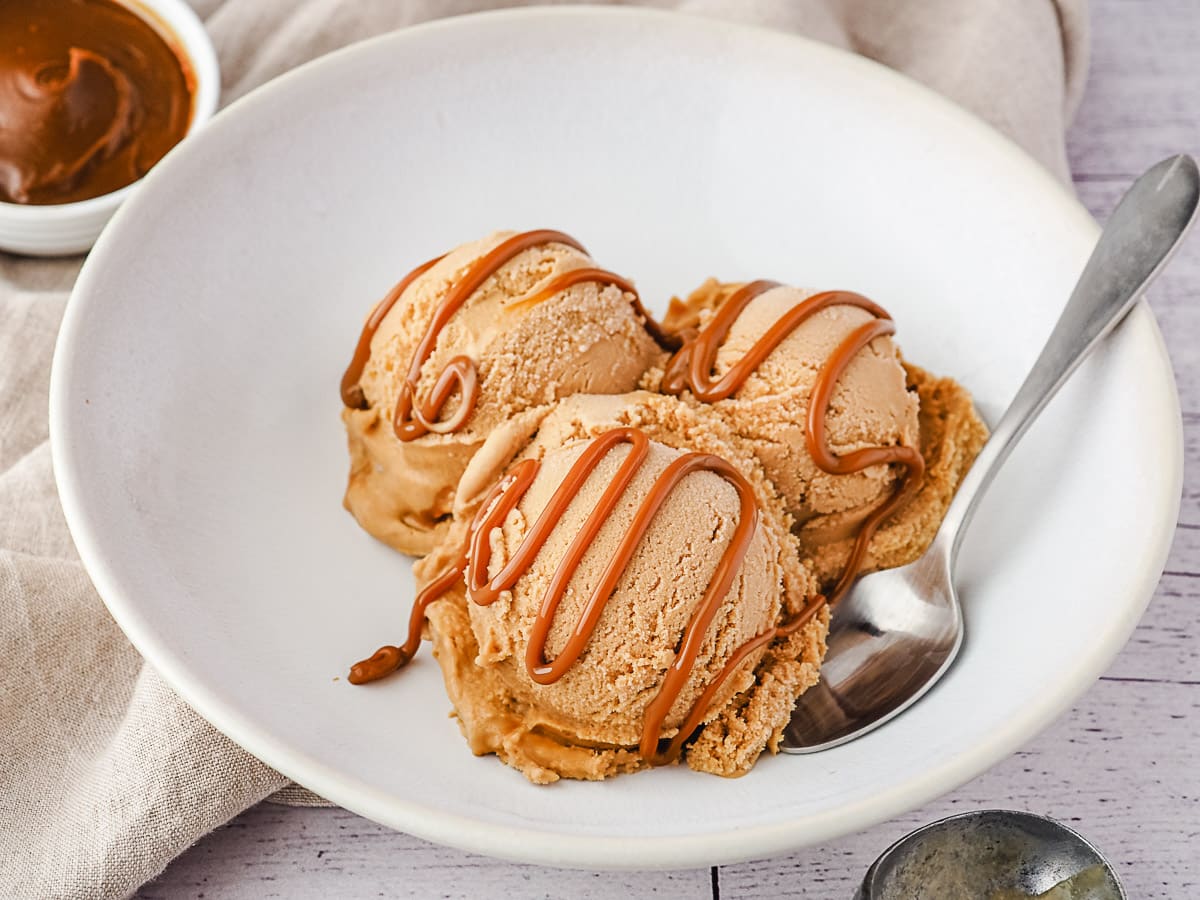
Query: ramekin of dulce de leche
x,y
93,94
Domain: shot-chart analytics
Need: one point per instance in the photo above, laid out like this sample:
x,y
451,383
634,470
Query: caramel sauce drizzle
x,y
692,366
411,418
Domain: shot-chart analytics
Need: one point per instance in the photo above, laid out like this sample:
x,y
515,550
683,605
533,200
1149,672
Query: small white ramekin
x,y
65,228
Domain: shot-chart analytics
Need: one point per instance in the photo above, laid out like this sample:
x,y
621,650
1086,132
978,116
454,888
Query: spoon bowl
x,y
890,640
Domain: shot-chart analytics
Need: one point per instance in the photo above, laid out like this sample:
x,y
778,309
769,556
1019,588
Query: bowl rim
x,y
191,38
521,844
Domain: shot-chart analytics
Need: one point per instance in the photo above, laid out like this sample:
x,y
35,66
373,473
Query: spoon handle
x,y
1140,237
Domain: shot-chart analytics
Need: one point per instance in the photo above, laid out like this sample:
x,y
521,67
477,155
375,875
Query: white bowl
x,y
63,228
201,461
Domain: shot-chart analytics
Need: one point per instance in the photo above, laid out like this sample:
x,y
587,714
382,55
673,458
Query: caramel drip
x,y
692,368
412,419
388,659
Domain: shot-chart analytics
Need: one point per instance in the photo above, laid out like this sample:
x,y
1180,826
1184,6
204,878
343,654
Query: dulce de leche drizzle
x,y
91,96
691,368
411,418
505,496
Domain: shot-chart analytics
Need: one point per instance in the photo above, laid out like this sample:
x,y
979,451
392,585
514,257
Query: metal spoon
x,y
896,632
990,853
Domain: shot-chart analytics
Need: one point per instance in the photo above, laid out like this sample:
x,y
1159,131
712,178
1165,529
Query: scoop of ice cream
x,y
604,696
600,703
870,404
877,401
588,336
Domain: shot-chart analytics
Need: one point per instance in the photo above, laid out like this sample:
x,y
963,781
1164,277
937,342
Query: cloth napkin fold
x,y
106,775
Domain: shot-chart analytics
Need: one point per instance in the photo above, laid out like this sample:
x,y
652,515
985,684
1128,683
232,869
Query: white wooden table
x,y
1123,766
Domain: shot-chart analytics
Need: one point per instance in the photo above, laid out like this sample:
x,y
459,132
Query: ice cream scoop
x,y
464,346
629,580
813,382
756,356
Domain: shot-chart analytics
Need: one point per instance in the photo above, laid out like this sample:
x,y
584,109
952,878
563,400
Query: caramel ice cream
x,y
464,346
568,655
870,405
620,578
816,385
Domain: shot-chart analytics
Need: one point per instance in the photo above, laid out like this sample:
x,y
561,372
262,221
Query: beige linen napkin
x,y
105,775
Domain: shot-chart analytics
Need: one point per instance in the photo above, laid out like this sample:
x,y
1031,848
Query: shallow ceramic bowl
x,y
201,460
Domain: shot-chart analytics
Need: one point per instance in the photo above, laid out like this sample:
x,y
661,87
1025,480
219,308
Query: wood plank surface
x,y
1122,766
